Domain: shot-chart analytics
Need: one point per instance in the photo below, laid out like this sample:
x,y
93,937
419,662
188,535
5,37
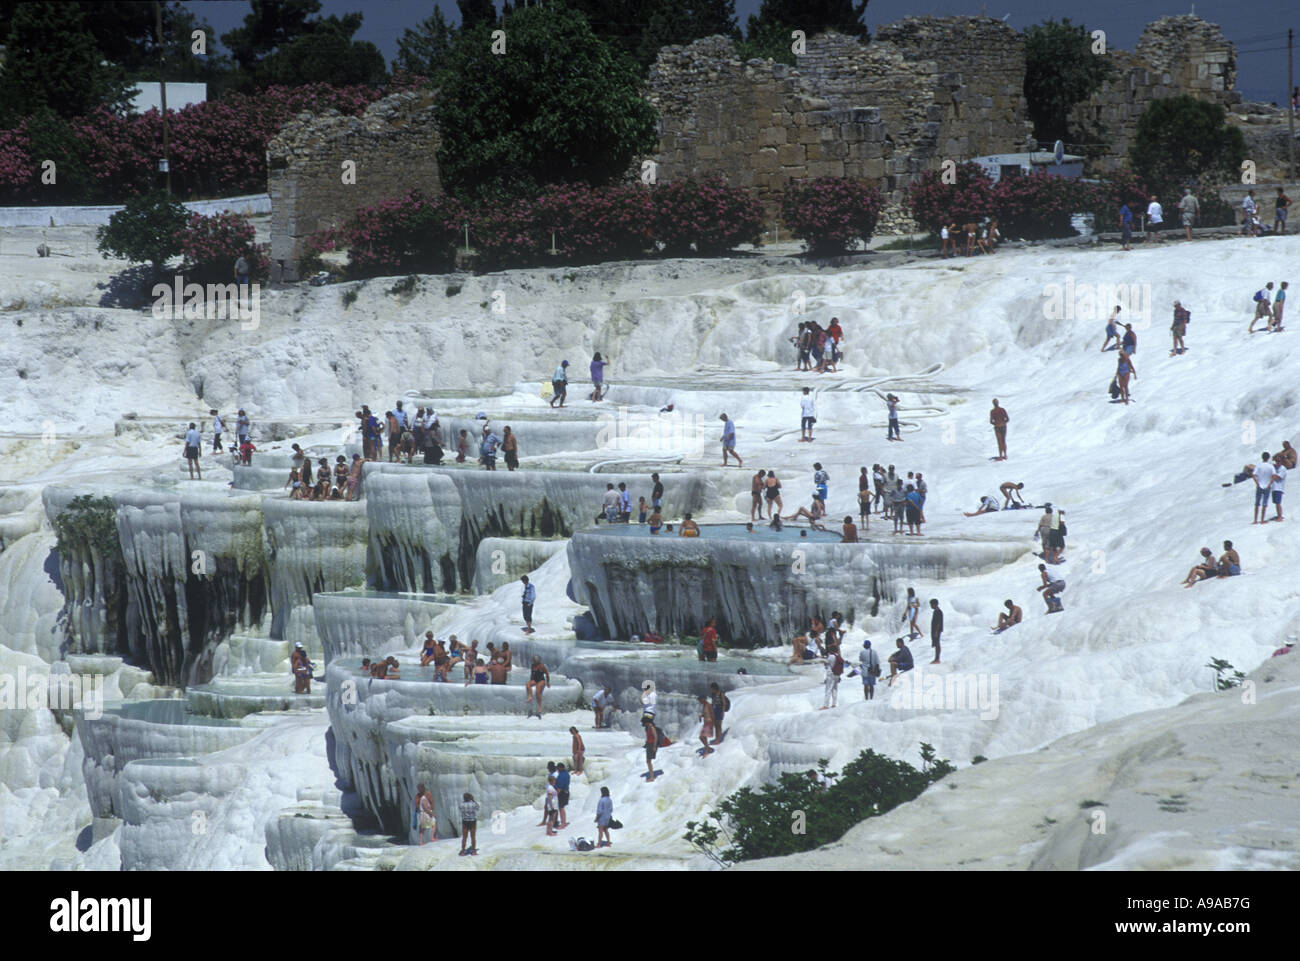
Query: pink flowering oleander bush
x,y
1039,205
592,224
210,245
706,215
508,235
831,214
217,148
401,235
934,204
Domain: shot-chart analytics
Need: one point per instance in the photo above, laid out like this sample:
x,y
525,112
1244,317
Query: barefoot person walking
x,y
729,440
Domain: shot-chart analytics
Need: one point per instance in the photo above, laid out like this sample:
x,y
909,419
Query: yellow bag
x,y
548,390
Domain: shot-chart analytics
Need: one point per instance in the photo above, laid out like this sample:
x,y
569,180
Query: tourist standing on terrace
x,y
562,794
729,440
578,750
834,671
1279,303
756,495
604,814
425,821
894,432
998,417
1126,226
808,416
1179,327
468,824
1249,214
529,596
193,448
218,428
651,746
936,627
598,376
1189,208
510,449
242,427
707,730
911,612
560,383
1155,219
656,493
1280,206
869,668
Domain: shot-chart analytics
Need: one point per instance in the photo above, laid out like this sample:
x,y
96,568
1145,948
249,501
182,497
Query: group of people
x,y
560,381
1228,565
1270,476
342,482
241,452
422,431
817,347
1189,210
980,237
616,505
427,823
494,669
1251,225
1269,308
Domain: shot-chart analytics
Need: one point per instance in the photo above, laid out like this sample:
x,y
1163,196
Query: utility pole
x,y
1291,108
165,164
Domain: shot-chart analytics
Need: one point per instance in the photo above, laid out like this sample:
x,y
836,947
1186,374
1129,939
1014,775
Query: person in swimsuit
x,y
998,417
706,728
772,492
656,521
689,527
507,656
424,809
510,449
850,535
814,516
1011,492
1123,371
430,649
354,477
756,495
538,678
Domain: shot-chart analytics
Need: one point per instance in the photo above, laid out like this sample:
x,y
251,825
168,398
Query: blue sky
x,y
1257,27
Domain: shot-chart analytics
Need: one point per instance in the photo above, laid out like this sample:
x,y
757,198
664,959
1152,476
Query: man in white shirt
x,y
193,444
1264,475
218,428
1248,211
868,667
808,408
603,705
1155,217
399,415
1279,487
610,504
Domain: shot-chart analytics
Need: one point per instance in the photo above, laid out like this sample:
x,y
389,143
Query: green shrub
x,y
146,230
798,814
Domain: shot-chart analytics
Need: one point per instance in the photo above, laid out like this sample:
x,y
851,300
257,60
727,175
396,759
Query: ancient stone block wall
x,y
394,145
925,90
1175,55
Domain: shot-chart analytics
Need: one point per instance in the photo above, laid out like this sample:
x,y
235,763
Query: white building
x,y
148,96
1002,165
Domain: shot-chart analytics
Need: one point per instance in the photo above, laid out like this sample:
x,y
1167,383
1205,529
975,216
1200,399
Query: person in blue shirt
x,y
560,383
900,661
489,450
820,479
913,511
1126,225
729,440
193,445
530,595
624,503
562,788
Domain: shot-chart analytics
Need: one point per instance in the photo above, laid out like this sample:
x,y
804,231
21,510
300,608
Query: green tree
x,y
475,12
326,54
1061,71
558,106
767,34
51,138
52,60
682,21
269,25
1182,139
423,49
146,230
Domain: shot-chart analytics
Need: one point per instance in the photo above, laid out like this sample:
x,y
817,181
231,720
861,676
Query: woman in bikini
x,y
426,821
295,483
538,678
340,472
354,478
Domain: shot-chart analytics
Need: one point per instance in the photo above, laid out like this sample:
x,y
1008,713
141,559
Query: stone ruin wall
x,y
925,90
394,144
1175,55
